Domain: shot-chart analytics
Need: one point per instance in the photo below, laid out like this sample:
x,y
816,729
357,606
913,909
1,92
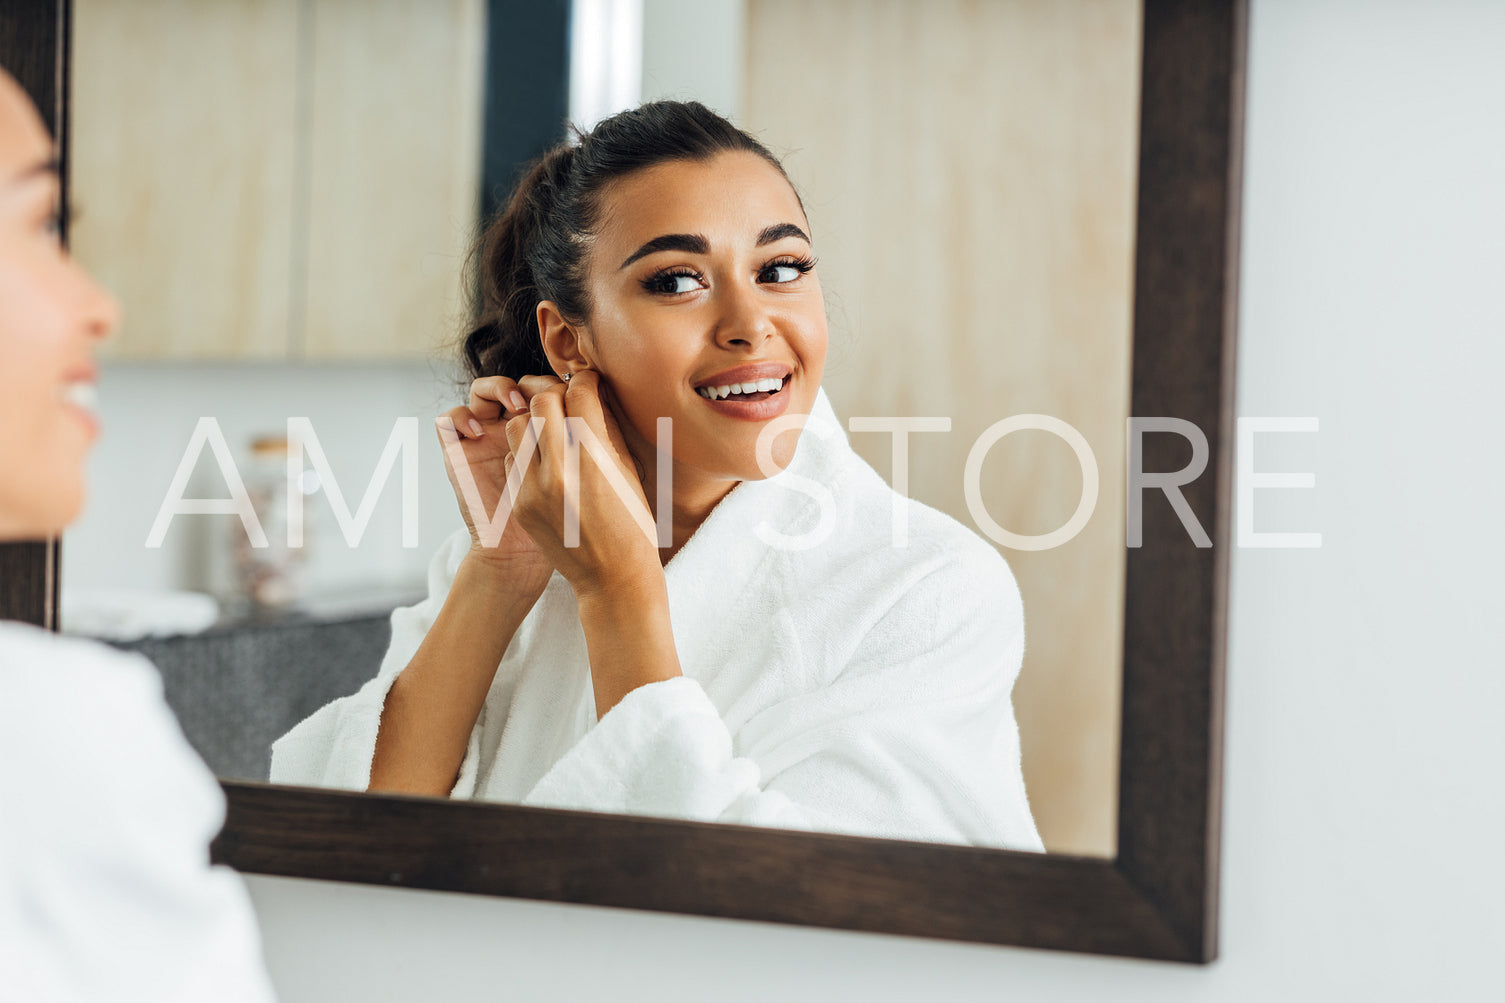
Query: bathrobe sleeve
x,y
335,745
914,738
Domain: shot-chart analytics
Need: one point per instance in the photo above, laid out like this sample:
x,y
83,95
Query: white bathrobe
x,y
106,813
851,686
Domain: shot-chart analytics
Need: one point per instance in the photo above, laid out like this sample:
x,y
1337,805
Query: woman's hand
x,y
612,542
479,461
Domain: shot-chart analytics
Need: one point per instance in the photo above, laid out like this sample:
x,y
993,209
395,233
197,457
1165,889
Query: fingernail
x,y
517,401
476,428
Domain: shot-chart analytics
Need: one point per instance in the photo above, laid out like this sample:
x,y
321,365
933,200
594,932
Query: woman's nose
x,y
100,311
745,318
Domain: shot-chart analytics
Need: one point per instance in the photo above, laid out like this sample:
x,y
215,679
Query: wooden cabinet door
x,y
278,179
183,171
395,167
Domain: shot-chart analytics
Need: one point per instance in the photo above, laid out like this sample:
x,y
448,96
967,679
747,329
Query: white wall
x,y
694,49
1362,794
149,412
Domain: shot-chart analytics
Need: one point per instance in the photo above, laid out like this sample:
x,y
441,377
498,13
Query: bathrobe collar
x,y
733,547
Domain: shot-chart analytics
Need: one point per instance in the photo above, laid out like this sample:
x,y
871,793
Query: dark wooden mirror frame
x,y
1157,899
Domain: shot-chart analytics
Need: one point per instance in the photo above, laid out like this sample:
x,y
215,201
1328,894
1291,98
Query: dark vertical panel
x,y
28,581
1176,593
527,90
33,49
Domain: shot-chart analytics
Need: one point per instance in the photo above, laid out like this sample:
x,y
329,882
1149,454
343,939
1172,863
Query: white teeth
x,y
753,386
80,394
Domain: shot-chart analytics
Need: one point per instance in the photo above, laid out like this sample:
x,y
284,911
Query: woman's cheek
x,y
628,411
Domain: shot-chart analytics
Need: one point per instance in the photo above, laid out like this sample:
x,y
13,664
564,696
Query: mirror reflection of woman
x,y
780,661
106,812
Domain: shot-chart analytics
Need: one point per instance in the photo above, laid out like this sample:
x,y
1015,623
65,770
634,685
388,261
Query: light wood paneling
x,y
279,179
183,171
394,174
969,173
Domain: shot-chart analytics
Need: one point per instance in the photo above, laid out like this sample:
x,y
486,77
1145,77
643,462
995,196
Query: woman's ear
x,y
563,343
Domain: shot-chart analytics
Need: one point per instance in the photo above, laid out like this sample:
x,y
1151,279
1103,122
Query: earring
x,y
566,377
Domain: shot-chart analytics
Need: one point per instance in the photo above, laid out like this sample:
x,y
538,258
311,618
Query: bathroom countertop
x,y
244,682
330,608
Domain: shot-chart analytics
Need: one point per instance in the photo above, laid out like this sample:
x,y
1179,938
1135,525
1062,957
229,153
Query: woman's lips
x,y
81,399
761,407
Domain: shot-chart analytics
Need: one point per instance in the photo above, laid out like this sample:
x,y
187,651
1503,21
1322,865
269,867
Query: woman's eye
x,y
789,270
52,226
668,283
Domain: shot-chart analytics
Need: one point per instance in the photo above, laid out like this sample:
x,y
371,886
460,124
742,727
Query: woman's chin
x,y
38,519
56,508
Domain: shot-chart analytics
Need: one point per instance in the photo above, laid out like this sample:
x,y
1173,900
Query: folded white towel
x,y
127,614
853,686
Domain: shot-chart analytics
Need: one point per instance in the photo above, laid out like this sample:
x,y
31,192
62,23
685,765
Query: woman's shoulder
x,y
95,726
893,558
31,657
906,530
934,597
868,502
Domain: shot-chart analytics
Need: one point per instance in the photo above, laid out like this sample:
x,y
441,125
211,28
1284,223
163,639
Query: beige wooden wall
x,y
281,180
969,172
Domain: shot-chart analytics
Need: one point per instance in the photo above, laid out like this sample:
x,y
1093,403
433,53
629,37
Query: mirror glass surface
x,y
283,194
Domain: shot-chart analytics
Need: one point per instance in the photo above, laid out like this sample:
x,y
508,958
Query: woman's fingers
x,y
462,421
514,405
546,408
491,396
590,397
586,397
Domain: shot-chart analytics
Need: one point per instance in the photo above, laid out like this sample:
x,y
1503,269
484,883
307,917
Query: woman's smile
x,y
751,392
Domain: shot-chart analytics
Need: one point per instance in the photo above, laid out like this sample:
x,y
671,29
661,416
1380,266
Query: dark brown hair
x,y
535,248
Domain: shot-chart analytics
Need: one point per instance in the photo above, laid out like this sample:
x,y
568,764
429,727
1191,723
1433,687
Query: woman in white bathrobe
x,y
782,640
106,813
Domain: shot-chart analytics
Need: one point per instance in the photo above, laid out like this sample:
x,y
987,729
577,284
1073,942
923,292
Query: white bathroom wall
x,y
148,414
695,49
1363,743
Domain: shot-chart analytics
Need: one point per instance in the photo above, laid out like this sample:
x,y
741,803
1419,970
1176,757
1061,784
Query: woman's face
x,y
717,289
51,316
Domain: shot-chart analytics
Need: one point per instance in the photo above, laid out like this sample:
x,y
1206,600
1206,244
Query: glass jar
x,y
274,576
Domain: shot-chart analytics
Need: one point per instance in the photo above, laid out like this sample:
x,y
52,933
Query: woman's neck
x,y
694,494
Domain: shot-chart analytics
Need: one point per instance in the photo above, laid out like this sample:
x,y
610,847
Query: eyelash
x,y
801,264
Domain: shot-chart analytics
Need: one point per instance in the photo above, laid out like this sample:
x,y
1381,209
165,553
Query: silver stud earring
x,y
566,377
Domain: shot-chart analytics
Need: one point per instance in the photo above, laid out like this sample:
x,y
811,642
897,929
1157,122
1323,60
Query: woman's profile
x,y
776,658
106,887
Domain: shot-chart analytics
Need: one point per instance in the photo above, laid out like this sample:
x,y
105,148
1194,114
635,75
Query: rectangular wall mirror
x,y
1020,210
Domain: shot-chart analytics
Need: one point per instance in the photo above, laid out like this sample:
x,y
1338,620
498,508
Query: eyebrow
x,y
696,243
